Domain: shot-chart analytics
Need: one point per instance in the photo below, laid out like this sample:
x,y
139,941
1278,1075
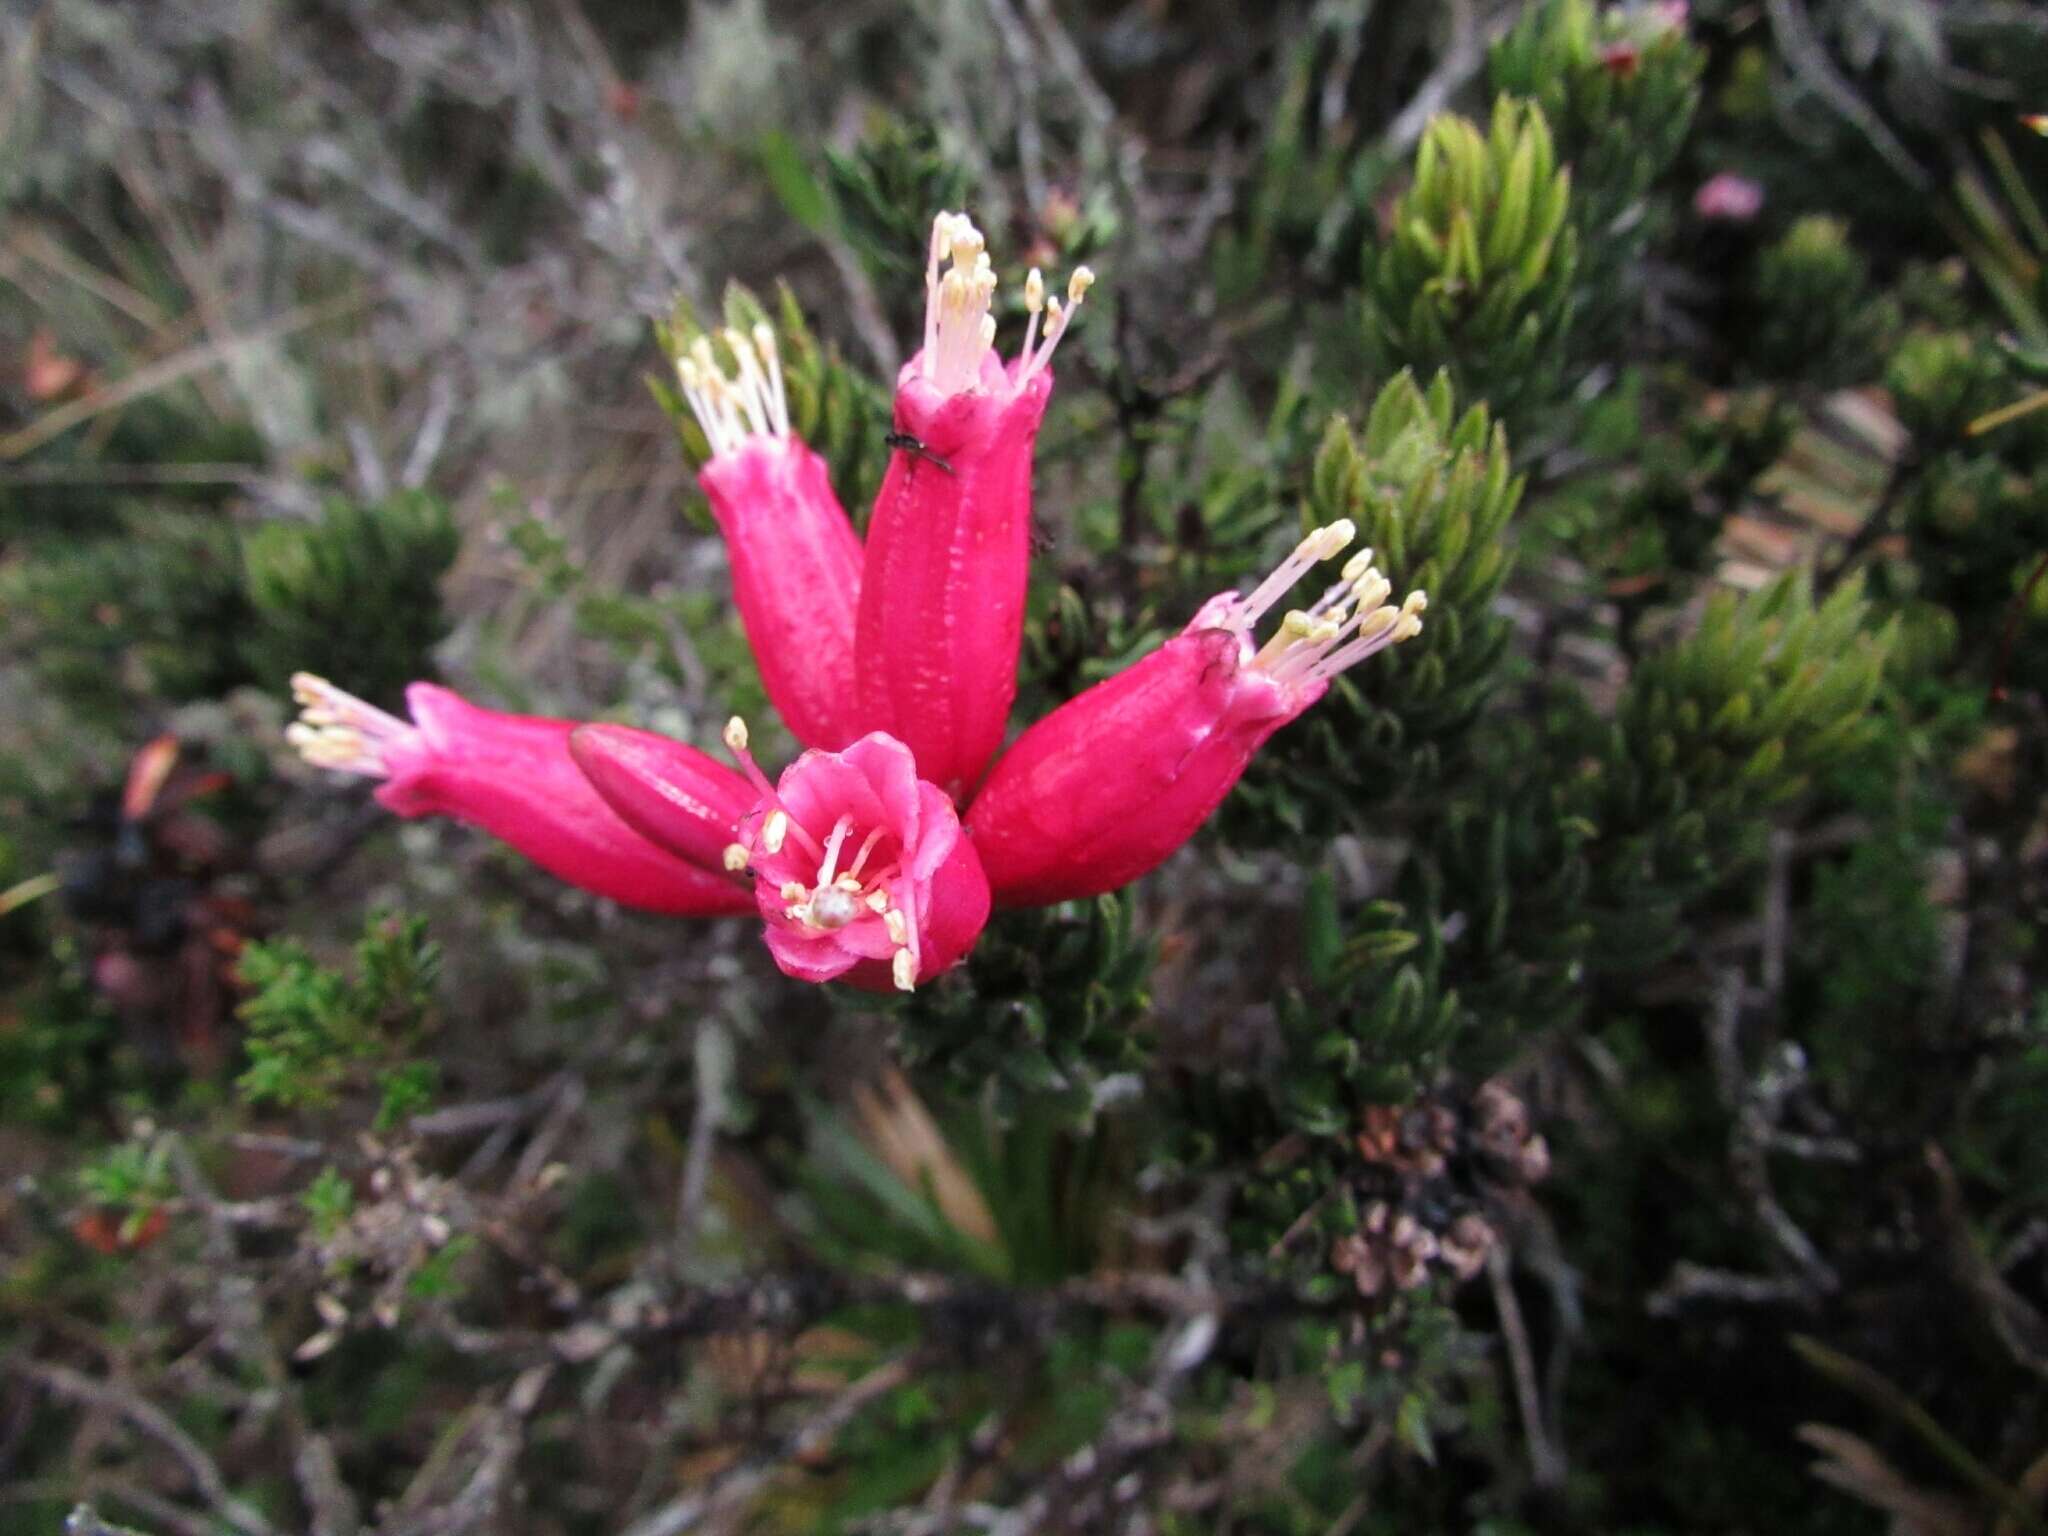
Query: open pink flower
x,y
1728,196
876,856
860,868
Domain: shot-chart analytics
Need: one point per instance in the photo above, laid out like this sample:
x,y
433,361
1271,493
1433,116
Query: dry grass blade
x,y
1881,1394
900,1131
1855,1466
168,371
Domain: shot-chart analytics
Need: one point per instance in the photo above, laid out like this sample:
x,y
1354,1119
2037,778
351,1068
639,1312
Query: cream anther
x,y
748,403
1347,623
338,730
959,288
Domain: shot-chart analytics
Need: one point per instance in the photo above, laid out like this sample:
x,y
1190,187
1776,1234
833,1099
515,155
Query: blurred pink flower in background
x,y
1728,196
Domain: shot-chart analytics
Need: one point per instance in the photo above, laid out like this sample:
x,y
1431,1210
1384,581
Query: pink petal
x,y
1111,783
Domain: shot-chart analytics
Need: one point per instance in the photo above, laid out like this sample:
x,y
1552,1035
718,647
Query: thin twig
x,y
1544,1464
1808,56
736,1486
1691,1282
1882,1394
475,1507
153,1422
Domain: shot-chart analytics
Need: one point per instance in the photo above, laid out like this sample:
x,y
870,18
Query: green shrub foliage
x,y
1589,1075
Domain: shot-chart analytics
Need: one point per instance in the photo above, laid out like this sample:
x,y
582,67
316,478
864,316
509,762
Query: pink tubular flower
x,y
796,561
860,869
511,775
1105,787
949,545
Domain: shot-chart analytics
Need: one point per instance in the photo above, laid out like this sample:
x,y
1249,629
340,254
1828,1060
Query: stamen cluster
x,y
747,402
1348,623
338,730
959,286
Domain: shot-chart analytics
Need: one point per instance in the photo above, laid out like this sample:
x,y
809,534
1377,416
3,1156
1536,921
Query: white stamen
x,y
828,869
1320,545
903,971
956,304
771,360
1034,305
1058,320
1348,623
959,287
860,859
736,744
748,403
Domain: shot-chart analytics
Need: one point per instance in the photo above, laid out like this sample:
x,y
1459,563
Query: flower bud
x,y
949,545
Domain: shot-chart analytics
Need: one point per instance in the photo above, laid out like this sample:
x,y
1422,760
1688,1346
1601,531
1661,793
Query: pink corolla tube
x,y
796,561
514,777
949,546
1108,785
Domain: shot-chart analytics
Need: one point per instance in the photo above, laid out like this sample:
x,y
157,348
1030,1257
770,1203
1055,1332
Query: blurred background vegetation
x,y
1592,1076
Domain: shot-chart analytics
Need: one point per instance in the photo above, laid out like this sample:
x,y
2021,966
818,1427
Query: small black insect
x,y
909,444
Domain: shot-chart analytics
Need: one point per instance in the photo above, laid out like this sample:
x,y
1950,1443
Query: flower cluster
x,y
877,855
